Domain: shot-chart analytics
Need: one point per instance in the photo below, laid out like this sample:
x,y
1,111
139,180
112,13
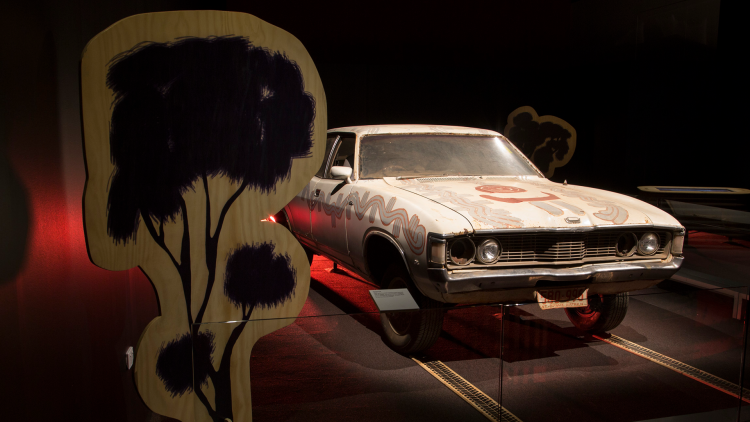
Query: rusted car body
x,y
469,219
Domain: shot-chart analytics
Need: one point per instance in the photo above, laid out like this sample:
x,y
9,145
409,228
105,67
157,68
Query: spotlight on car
x,y
462,251
648,244
626,244
489,251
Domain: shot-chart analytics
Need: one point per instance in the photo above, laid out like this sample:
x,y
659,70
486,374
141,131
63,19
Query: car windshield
x,y
439,155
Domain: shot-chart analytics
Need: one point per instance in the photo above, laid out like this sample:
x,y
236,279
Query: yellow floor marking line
x,y
472,395
679,367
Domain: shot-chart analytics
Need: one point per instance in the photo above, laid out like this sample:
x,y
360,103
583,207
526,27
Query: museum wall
x,y
647,84
65,323
651,103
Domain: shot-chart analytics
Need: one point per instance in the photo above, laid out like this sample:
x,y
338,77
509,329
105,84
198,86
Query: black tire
x,y
309,253
604,313
410,332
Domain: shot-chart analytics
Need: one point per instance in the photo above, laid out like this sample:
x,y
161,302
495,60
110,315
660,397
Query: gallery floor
x,y
331,365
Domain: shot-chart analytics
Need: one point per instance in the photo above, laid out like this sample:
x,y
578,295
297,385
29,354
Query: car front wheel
x,y
604,313
409,332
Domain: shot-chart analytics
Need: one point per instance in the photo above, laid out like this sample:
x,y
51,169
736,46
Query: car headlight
x,y
626,244
648,244
489,251
462,251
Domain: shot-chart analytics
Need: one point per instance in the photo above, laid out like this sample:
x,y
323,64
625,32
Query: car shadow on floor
x,y
469,332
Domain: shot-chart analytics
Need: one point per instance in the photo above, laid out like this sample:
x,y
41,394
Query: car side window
x,y
330,142
344,155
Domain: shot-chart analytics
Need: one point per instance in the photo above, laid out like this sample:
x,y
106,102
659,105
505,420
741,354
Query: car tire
x,y
309,253
604,313
410,332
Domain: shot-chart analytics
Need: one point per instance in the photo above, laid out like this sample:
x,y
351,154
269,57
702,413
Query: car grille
x,y
565,247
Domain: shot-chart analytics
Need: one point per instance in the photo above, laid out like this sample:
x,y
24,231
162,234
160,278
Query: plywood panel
x,y
198,125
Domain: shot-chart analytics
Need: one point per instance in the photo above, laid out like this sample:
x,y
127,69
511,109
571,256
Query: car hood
x,y
532,202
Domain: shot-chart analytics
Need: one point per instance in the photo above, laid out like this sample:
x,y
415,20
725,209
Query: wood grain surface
x,y
191,304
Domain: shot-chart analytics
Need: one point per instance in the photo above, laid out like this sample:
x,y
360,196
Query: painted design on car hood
x,y
555,208
512,202
463,204
611,211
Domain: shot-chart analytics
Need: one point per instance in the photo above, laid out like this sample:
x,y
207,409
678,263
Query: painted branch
x,y
212,243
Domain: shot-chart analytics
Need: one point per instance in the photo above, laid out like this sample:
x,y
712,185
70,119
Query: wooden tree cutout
x,y
548,141
198,125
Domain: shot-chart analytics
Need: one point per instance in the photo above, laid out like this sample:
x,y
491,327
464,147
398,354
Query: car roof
x,y
386,129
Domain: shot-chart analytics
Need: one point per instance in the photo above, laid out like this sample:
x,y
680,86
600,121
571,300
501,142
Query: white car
x,y
459,215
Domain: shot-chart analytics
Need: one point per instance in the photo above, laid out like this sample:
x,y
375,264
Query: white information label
x,y
393,300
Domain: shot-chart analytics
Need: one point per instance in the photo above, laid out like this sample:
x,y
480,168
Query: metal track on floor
x,y
467,391
677,366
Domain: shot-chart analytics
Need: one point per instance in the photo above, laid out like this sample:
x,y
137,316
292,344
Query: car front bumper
x,y
495,285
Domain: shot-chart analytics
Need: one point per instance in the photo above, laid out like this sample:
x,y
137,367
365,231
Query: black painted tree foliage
x,y
247,287
174,366
528,135
185,111
196,108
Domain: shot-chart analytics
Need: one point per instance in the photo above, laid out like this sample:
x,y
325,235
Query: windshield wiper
x,y
435,175
420,176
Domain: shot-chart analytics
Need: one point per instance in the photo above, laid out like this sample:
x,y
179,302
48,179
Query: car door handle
x,y
317,192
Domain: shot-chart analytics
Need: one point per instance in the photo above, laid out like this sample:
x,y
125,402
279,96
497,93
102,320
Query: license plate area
x,y
563,297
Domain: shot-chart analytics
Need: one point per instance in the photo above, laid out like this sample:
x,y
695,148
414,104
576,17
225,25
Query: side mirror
x,y
341,172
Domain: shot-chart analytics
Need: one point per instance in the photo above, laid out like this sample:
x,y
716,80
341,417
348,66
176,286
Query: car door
x,y
328,217
299,209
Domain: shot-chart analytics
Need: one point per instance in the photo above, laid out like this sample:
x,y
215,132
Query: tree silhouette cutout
x,y
184,112
544,142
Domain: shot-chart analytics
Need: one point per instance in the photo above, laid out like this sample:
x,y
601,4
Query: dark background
x,y
649,86
653,89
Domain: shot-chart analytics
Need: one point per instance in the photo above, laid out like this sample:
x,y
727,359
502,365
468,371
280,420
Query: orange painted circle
x,y
499,189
